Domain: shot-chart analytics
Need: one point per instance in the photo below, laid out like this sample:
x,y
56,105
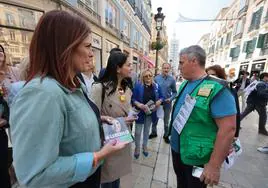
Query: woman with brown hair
x,y
55,128
11,73
218,71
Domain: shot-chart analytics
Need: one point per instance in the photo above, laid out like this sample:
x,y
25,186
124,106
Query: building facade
x,y
241,41
174,54
114,23
204,41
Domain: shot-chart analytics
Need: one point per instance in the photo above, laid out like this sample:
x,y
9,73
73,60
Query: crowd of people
x,y
54,106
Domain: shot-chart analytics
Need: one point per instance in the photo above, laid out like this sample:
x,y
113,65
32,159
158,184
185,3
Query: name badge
x,y
184,113
205,92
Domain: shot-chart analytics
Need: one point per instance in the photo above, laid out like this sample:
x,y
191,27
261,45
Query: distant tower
x,y
174,53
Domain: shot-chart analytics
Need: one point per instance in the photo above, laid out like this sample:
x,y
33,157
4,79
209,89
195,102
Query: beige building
x,y
113,23
204,41
241,41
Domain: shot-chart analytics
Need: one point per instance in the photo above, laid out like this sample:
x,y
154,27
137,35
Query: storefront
x,y
96,47
244,67
257,68
16,29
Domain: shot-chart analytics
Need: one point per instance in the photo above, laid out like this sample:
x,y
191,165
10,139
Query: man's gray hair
x,y
195,51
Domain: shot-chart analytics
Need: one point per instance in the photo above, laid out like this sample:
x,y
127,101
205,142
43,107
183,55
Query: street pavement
x,y
249,171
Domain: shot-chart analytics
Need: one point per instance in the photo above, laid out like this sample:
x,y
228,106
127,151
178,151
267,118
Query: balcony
x,y
265,20
89,11
132,3
124,38
253,27
242,11
144,23
138,13
112,28
237,36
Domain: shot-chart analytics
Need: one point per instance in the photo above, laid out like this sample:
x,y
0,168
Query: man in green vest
x,y
202,123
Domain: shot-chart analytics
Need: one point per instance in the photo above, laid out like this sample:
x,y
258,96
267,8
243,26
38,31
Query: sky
x,y
189,33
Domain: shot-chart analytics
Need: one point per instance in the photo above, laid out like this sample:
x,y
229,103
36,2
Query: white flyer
x,y
184,113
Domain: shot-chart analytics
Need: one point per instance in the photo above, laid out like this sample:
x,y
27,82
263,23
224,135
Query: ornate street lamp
x,y
159,18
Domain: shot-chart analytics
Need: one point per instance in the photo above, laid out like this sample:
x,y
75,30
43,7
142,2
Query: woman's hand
x,y
158,103
143,107
107,119
109,148
130,119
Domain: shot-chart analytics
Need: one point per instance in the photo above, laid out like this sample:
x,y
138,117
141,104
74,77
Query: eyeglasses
x,y
147,76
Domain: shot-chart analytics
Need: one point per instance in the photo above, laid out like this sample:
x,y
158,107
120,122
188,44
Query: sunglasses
x,y
147,76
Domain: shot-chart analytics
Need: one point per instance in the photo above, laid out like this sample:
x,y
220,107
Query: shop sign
x,y
96,41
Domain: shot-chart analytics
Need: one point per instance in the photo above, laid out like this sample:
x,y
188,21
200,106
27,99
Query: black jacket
x,y
238,83
4,110
260,95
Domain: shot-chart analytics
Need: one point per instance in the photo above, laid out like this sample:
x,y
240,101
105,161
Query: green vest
x,y
199,133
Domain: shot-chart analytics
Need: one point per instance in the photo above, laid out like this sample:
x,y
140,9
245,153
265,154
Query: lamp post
x,y
159,17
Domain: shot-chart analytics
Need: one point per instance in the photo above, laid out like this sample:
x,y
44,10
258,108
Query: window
x,y
243,3
256,20
135,34
240,26
249,47
93,4
234,53
126,28
111,14
23,37
12,35
10,19
228,39
262,41
221,44
22,22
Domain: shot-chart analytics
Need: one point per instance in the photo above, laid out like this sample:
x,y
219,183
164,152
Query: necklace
x,y
122,96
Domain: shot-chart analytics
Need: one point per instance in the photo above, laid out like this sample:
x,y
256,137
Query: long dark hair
x,y
55,39
109,79
4,65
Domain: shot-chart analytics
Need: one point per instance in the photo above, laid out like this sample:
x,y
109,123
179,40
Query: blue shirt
x,y
167,85
223,105
54,133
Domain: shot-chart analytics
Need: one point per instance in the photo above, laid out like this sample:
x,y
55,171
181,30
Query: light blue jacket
x,y
54,132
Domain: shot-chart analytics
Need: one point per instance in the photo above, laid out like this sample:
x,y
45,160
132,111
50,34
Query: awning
x,y
149,61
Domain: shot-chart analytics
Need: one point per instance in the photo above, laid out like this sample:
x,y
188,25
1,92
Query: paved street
x,y
250,170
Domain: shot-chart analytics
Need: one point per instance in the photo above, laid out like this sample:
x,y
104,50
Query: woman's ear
x,y
118,70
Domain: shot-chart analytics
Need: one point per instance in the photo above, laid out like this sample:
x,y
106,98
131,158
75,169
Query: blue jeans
x,y
167,111
114,184
146,128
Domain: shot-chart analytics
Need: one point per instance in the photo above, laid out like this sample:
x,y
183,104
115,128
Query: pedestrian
x,y
254,77
15,87
257,100
11,73
240,84
4,150
218,71
88,77
167,85
113,98
55,128
203,122
147,97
